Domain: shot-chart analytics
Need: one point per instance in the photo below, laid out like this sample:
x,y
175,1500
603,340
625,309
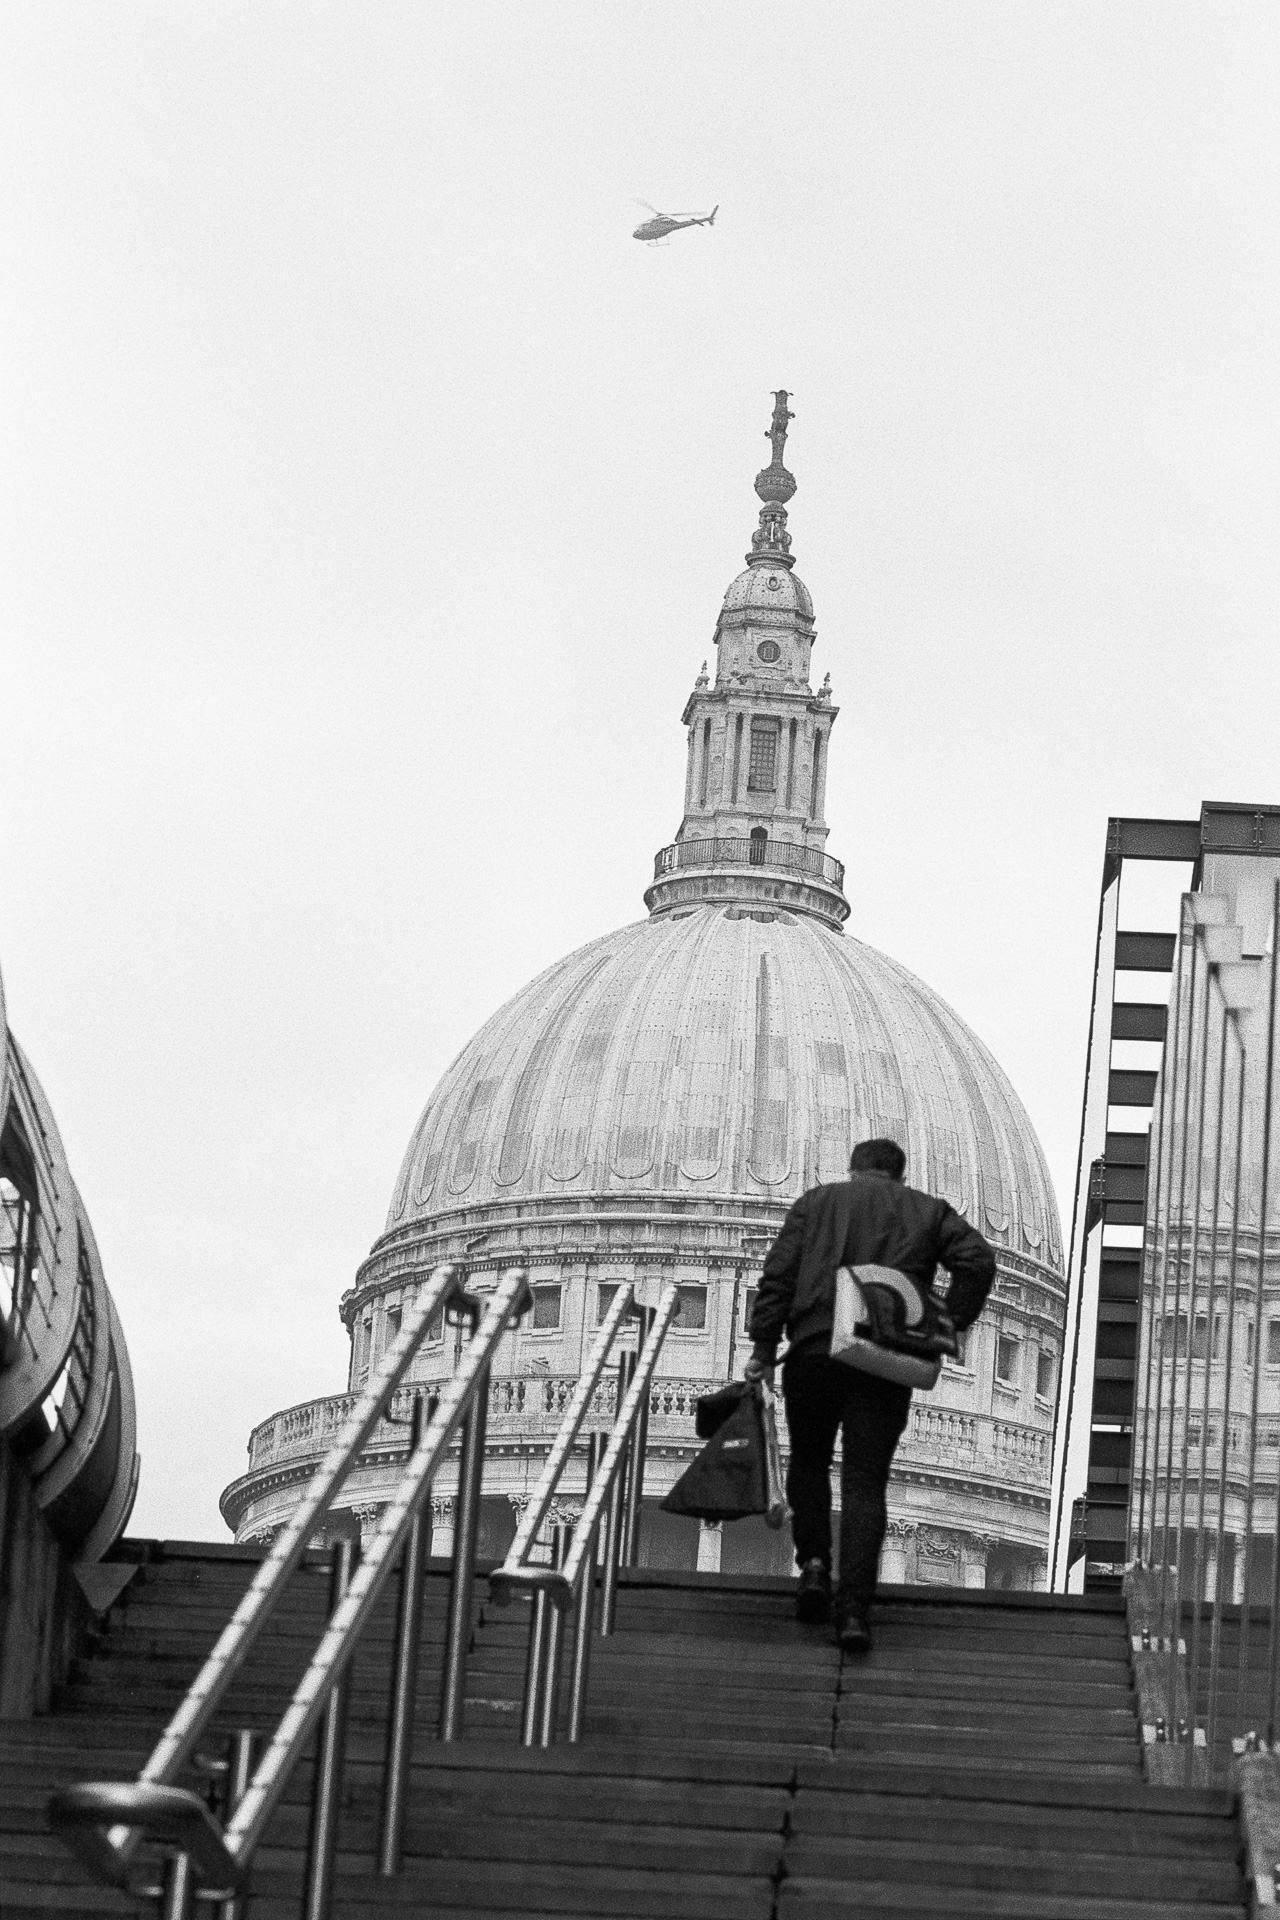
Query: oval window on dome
x,y
769,651
773,582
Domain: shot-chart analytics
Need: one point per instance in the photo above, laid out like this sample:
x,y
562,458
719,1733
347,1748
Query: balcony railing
x,y
743,850
533,1404
534,1401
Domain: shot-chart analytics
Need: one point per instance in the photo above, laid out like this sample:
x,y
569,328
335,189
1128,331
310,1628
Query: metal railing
x,y
1204,1510
740,850
109,1826
614,1492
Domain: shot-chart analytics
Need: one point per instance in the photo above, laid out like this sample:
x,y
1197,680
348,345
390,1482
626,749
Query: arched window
x,y
817,763
759,845
706,762
791,762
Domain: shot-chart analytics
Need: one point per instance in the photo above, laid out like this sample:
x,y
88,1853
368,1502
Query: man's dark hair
x,y
879,1156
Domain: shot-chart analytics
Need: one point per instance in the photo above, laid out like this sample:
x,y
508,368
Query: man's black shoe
x,y
813,1595
854,1632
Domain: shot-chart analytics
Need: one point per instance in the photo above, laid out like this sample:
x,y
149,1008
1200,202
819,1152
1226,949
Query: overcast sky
x,y
369,496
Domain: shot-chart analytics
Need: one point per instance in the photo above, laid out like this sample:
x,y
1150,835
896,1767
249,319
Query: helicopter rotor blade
x,y
652,209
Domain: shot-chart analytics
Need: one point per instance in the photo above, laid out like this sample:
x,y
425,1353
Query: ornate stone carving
x,y
937,1557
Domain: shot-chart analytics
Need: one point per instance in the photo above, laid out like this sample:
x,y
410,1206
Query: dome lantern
x,y
754,831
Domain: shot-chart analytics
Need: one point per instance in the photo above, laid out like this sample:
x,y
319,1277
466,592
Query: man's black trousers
x,y
823,1396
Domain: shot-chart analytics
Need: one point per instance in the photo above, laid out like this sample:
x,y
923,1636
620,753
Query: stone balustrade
x,y
311,1429
534,1405
977,1443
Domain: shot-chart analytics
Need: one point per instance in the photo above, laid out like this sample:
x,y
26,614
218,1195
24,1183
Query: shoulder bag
x,y
887,1324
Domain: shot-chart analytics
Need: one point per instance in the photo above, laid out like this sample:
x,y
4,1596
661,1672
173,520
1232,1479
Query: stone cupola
x,y
754,828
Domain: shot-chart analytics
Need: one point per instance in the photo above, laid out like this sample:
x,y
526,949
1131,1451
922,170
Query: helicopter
x,y
657,229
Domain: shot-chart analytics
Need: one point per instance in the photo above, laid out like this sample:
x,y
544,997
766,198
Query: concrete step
x,y
985,1759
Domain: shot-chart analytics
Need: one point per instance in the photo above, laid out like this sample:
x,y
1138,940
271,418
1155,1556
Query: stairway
x,y
984,1760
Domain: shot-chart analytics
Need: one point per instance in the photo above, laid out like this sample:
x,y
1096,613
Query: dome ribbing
x,y
725,1052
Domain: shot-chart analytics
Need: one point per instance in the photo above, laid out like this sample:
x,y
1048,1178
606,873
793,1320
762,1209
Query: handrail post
x,y
179,1888
533,1669
404,1681
586,1608
617,1500
635,1463
240,1758
552,1646
606,1490
326,1792
466,1532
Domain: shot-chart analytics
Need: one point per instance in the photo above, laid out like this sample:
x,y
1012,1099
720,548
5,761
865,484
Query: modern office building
x,y
1153,988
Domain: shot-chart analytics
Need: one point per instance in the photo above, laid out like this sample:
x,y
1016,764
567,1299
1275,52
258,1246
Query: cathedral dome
x,y
646,1110
768,590
725,1051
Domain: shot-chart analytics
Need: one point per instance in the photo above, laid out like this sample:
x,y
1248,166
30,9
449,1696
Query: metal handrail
x,y
571,1581
623,1303
517,1559
107,1823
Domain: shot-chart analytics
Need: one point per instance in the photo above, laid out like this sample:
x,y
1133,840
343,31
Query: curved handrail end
x,y
504,1581
170,1816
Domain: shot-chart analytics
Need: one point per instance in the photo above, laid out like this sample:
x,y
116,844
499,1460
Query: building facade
x,y
1171,1388
647,1109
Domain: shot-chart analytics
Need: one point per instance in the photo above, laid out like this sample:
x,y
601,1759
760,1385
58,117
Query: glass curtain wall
x,y
1204,1510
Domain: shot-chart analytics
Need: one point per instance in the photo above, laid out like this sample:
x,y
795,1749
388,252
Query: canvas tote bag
x,y
886,1324
739,1470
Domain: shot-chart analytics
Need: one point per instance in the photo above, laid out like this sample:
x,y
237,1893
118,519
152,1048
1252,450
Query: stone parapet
x,y
994,1460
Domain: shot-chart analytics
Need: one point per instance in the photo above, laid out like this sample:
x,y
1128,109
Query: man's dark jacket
x,y
868,1218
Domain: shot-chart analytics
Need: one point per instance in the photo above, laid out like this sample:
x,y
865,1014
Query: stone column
x,y
710,1536
973,1560
368,1517
893,1554
561,1513
1237,1574
442,1524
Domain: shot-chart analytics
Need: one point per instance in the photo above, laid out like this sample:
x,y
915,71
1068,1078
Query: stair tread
x,y
985,1760
869,1899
